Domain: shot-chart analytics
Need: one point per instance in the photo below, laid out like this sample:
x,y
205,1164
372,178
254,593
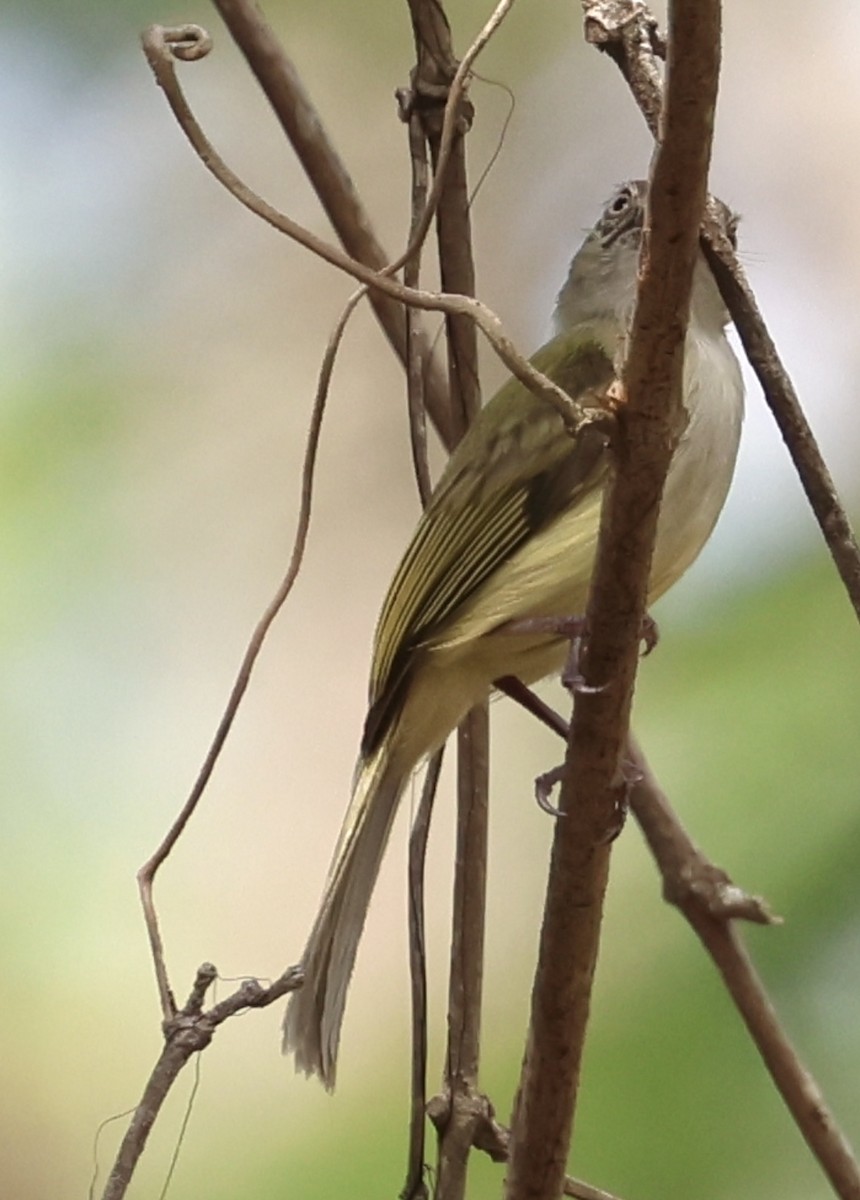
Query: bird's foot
x,y
629,777
543,790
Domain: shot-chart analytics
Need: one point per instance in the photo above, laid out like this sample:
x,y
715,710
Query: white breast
x,y
704,461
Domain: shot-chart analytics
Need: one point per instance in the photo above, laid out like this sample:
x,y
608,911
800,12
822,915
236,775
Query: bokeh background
x,y
158,354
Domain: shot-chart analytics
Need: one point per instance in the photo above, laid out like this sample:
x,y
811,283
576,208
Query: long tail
x,y
315,1012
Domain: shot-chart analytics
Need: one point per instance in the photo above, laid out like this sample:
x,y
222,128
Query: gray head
x,y
601,284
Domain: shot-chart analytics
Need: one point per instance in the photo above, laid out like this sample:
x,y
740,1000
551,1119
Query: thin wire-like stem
x,y
447,138
147,872
415,1187
157,46
449,199
279,79
305,130
415,359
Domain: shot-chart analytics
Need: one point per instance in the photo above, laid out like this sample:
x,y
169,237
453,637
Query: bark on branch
x,y
648,428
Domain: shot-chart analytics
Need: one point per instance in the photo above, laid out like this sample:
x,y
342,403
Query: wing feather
x,y
511,475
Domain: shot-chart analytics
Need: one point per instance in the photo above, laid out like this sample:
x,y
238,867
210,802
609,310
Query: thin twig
x,y
487,168
457,275
415,1187
187,1032
476,188
429,19
461,1107
627,31
415,343
190,43
648,428
785,405
156,43
279,79
436,79
449,198
147,872
277,76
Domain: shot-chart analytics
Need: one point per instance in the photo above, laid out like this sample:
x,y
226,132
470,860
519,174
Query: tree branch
x,y
457,1112
187,1032
434,74
648,427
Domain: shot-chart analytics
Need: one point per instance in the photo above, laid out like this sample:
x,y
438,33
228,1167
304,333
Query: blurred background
x,y
158,357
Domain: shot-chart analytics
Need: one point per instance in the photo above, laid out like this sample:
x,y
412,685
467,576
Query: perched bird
x,y
510,532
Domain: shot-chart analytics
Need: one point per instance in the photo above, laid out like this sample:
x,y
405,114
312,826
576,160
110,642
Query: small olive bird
x,y
510,533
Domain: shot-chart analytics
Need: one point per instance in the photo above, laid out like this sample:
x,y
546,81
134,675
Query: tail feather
x,y
315,1012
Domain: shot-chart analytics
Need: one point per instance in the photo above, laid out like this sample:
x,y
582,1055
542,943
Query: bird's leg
x,y
531,702
629,773
572,628
572,677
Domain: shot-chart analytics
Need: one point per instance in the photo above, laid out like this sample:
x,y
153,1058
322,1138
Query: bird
x,y
510,533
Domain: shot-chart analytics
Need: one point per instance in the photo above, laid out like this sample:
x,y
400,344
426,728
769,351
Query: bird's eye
x,y
621,218
620,203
